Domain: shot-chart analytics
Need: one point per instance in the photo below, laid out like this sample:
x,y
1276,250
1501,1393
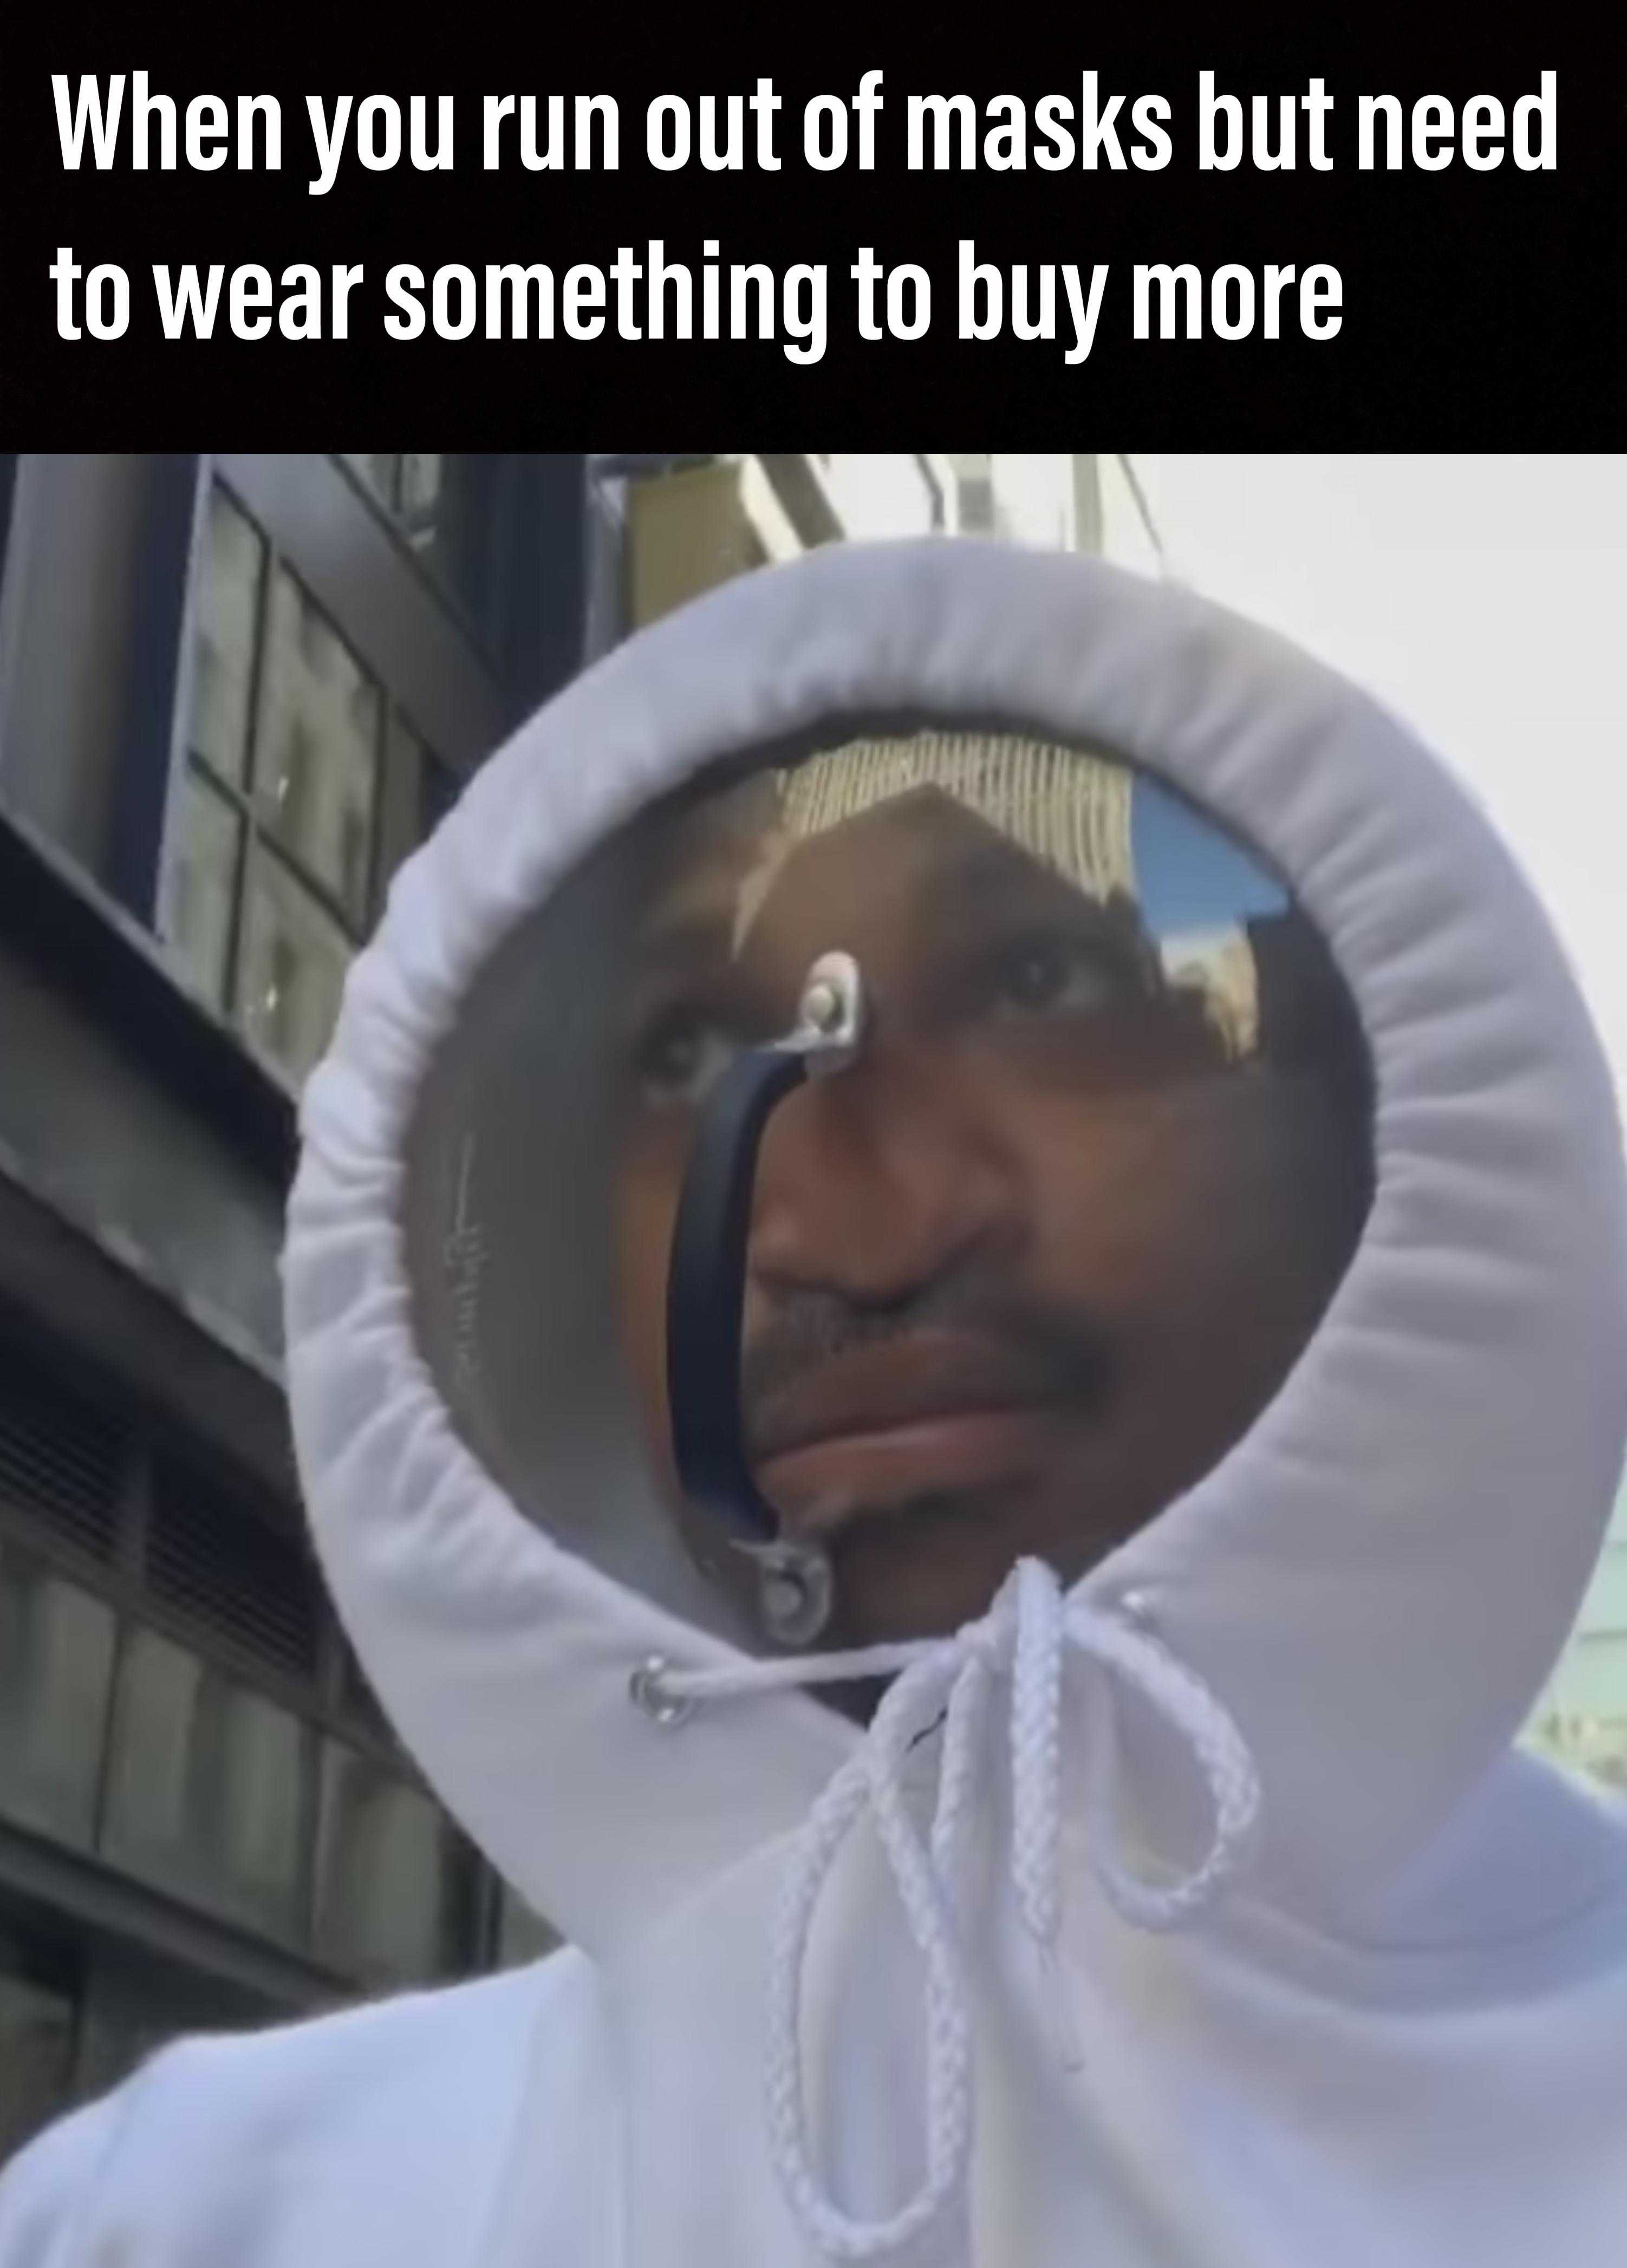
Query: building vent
x,y
234,1569
61,1458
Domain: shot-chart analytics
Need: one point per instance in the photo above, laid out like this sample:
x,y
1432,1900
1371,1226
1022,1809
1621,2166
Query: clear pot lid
x,y
1019,1124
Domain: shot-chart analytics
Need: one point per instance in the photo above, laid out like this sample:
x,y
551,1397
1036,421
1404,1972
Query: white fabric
x,y
1405,2040
1022,1639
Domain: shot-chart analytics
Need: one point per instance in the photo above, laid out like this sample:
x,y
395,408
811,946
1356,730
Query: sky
x,y
1188,875
1484,598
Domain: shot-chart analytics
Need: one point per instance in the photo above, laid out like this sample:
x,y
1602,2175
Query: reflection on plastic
x,y
1013,1280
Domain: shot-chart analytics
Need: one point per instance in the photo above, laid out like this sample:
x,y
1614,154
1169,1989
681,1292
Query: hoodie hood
x,y
1374,1582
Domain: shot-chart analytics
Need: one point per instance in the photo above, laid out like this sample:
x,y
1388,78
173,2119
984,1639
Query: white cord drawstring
x,y
1023,1637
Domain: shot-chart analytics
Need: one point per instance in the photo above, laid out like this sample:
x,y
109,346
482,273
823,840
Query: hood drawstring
x,y
1025,1636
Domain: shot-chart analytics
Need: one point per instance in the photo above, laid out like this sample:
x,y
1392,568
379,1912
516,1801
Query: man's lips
x,y
940,1462
929,1412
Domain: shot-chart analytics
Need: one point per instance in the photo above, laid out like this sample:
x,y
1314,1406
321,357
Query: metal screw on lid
x,y
831,1015
783,1598
648,1692
795,1588
823,1005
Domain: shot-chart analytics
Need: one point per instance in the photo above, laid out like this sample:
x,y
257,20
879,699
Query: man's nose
x,y
873,1183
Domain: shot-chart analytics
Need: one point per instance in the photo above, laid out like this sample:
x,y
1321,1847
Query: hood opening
x,y
1092,1176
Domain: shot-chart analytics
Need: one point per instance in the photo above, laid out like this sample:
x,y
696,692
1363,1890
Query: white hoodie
x,y
1396,2036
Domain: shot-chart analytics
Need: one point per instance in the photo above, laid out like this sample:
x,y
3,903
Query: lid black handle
x,y
706,1276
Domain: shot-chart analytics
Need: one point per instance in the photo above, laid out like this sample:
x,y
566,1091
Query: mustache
x,y
1035,1350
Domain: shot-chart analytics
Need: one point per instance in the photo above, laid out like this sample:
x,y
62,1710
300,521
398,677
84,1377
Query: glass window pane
x,y
381,475
201,884
55,1661
316,747
421,495
112,2043
400,816
131,2003
440,792
205,1784
291,968
453,511
522,1935
418,791
36,2056
222,648
387,1867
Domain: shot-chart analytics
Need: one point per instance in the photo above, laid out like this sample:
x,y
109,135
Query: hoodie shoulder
x,y
44,2189
381,2132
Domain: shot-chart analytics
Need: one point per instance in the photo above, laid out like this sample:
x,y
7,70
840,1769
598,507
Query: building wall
x,y
92,1134
195,1790
72,586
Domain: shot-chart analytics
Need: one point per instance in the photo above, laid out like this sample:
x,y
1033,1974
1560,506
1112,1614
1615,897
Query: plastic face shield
x,y
878,1163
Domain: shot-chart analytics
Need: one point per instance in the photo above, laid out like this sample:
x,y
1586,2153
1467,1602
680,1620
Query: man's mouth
x,y
930,1414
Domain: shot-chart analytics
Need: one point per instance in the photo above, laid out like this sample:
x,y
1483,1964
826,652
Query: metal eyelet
x,y
650,1695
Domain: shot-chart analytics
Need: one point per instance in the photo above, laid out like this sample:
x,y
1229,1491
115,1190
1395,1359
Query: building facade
x,y
234,693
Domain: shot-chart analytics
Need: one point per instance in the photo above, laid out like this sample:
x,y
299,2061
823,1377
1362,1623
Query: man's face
x,y
1023,1273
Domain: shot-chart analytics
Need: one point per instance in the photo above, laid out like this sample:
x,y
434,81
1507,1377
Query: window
x,y
392,1883
75,2020
279,835
37,2025
176,1697
411,488
316,749
233,570
522,1935
452,512
55,1666
291,962
204,1785
131,2002
204,883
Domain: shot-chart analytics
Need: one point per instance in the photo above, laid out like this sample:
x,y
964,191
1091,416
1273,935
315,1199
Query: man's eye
x,y
1049,976
679,1056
